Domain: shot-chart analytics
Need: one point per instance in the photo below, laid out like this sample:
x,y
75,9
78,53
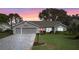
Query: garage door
x,y
28,30
25,30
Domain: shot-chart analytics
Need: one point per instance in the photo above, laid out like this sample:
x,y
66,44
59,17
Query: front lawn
x,y
57,42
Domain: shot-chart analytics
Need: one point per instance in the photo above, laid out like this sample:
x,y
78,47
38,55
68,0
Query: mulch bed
x,y
38,43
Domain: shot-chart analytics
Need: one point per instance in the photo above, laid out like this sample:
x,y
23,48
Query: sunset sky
x,y
32,13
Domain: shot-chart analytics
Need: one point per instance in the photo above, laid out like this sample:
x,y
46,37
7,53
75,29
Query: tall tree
x,y
51,14
18,18
14,19
3,18
11,19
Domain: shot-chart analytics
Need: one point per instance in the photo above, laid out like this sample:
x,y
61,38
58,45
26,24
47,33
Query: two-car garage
x,y
25,30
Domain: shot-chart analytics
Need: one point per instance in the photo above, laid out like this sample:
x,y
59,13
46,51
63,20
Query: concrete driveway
x,y
18,42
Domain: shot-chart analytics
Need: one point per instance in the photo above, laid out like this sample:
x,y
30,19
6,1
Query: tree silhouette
x,y
51,14
14,19
3,18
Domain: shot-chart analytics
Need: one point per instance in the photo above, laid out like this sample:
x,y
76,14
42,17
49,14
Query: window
x,y
48,29
60,28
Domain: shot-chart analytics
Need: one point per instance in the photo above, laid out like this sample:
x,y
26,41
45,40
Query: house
x,y
4,26
49,26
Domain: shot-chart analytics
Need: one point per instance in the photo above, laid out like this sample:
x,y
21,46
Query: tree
x,y
3,18
51,14
73,28
65,20
17,18
14,19
10,19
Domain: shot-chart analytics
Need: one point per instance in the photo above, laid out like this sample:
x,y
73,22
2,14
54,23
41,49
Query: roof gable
x,y
24,24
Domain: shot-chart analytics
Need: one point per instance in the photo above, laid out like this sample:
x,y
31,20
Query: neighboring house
x,y
49,26
4,26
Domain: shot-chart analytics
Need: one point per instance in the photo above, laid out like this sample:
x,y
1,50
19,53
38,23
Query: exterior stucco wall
x,y
60,28
24,28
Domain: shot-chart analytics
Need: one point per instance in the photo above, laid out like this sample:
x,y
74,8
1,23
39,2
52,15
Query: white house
x,y
49,26
32,26
4,26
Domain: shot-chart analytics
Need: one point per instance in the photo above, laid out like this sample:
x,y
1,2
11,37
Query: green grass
x,y
57,42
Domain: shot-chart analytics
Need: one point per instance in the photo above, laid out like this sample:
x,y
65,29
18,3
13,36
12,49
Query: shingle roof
x,y
46,23
24,24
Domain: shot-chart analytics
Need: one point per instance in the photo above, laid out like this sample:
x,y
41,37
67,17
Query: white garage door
x,y
25,30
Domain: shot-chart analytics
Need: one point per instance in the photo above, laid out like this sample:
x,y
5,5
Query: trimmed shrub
x,y
9,31
77,36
